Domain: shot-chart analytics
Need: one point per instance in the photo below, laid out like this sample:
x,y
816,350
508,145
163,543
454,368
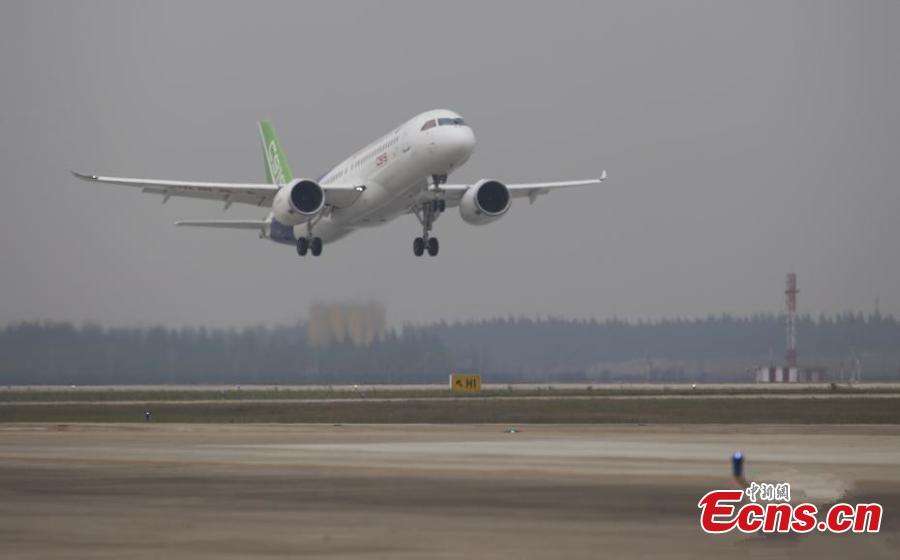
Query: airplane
x,y
403,172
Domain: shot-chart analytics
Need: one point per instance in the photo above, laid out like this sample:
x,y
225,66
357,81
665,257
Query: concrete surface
x,y
423,491
644,387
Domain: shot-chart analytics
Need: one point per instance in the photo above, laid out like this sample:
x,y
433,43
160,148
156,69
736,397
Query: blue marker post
x,y
737,469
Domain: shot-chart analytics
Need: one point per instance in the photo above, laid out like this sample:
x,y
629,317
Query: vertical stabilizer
x,y
278,171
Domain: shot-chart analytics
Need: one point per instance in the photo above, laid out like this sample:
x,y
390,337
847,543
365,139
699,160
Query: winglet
x,y
603,175
83,176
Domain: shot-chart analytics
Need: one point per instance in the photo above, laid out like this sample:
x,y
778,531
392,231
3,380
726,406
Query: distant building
x,y
361,323
774,374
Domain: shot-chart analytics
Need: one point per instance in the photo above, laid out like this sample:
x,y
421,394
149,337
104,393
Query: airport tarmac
x,y
417,491
494,398
638,387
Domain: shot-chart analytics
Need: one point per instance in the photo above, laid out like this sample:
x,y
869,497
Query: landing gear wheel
x,y
427,213
302,246
316,246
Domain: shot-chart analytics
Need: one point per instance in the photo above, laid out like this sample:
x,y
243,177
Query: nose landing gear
x,y
427,213
422,244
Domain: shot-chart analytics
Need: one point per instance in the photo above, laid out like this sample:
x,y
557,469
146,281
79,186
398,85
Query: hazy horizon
x,y
743,140
396,324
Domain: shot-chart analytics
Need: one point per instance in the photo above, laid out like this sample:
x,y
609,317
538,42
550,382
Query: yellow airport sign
x,y
465,383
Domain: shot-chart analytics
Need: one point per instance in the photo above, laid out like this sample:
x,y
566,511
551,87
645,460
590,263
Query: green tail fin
x,y
278,171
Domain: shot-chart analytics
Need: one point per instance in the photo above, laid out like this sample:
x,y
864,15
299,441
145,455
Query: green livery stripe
x,y
278,171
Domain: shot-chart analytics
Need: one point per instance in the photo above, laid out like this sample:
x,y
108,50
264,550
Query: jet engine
x,y
298,202
484,202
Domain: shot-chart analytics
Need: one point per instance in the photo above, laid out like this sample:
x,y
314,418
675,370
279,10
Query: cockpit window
x,y
449,121
444,121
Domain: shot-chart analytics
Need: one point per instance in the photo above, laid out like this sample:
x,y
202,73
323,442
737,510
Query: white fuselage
x,y
394,169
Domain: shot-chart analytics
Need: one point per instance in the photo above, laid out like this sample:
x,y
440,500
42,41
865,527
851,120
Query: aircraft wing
x,y
533,190
257,194
226,224
520,190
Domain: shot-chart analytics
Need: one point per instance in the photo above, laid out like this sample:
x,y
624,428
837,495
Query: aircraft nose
x,y
459,142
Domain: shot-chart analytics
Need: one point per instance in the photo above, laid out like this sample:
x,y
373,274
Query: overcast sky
x,y
742,140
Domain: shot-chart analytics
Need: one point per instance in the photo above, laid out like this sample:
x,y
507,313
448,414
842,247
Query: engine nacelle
x,y
484,202
298,202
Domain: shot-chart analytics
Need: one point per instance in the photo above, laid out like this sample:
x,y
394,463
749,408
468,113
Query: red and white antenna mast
x,y
790,298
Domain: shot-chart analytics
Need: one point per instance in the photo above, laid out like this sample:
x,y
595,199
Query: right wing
x,y
278,172
257,194
226,224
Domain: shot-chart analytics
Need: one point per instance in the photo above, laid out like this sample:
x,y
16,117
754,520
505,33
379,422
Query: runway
x,y
492,398
415,491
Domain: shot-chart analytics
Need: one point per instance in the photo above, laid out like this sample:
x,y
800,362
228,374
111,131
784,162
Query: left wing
x,y
533,190
519,190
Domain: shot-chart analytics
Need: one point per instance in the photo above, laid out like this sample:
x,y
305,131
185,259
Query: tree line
x,y
505,349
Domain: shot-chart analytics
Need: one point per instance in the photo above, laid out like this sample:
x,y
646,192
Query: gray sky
x,y
743,139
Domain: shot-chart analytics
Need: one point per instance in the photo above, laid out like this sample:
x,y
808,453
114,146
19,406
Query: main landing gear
x,y
309,243
312,245
427,214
